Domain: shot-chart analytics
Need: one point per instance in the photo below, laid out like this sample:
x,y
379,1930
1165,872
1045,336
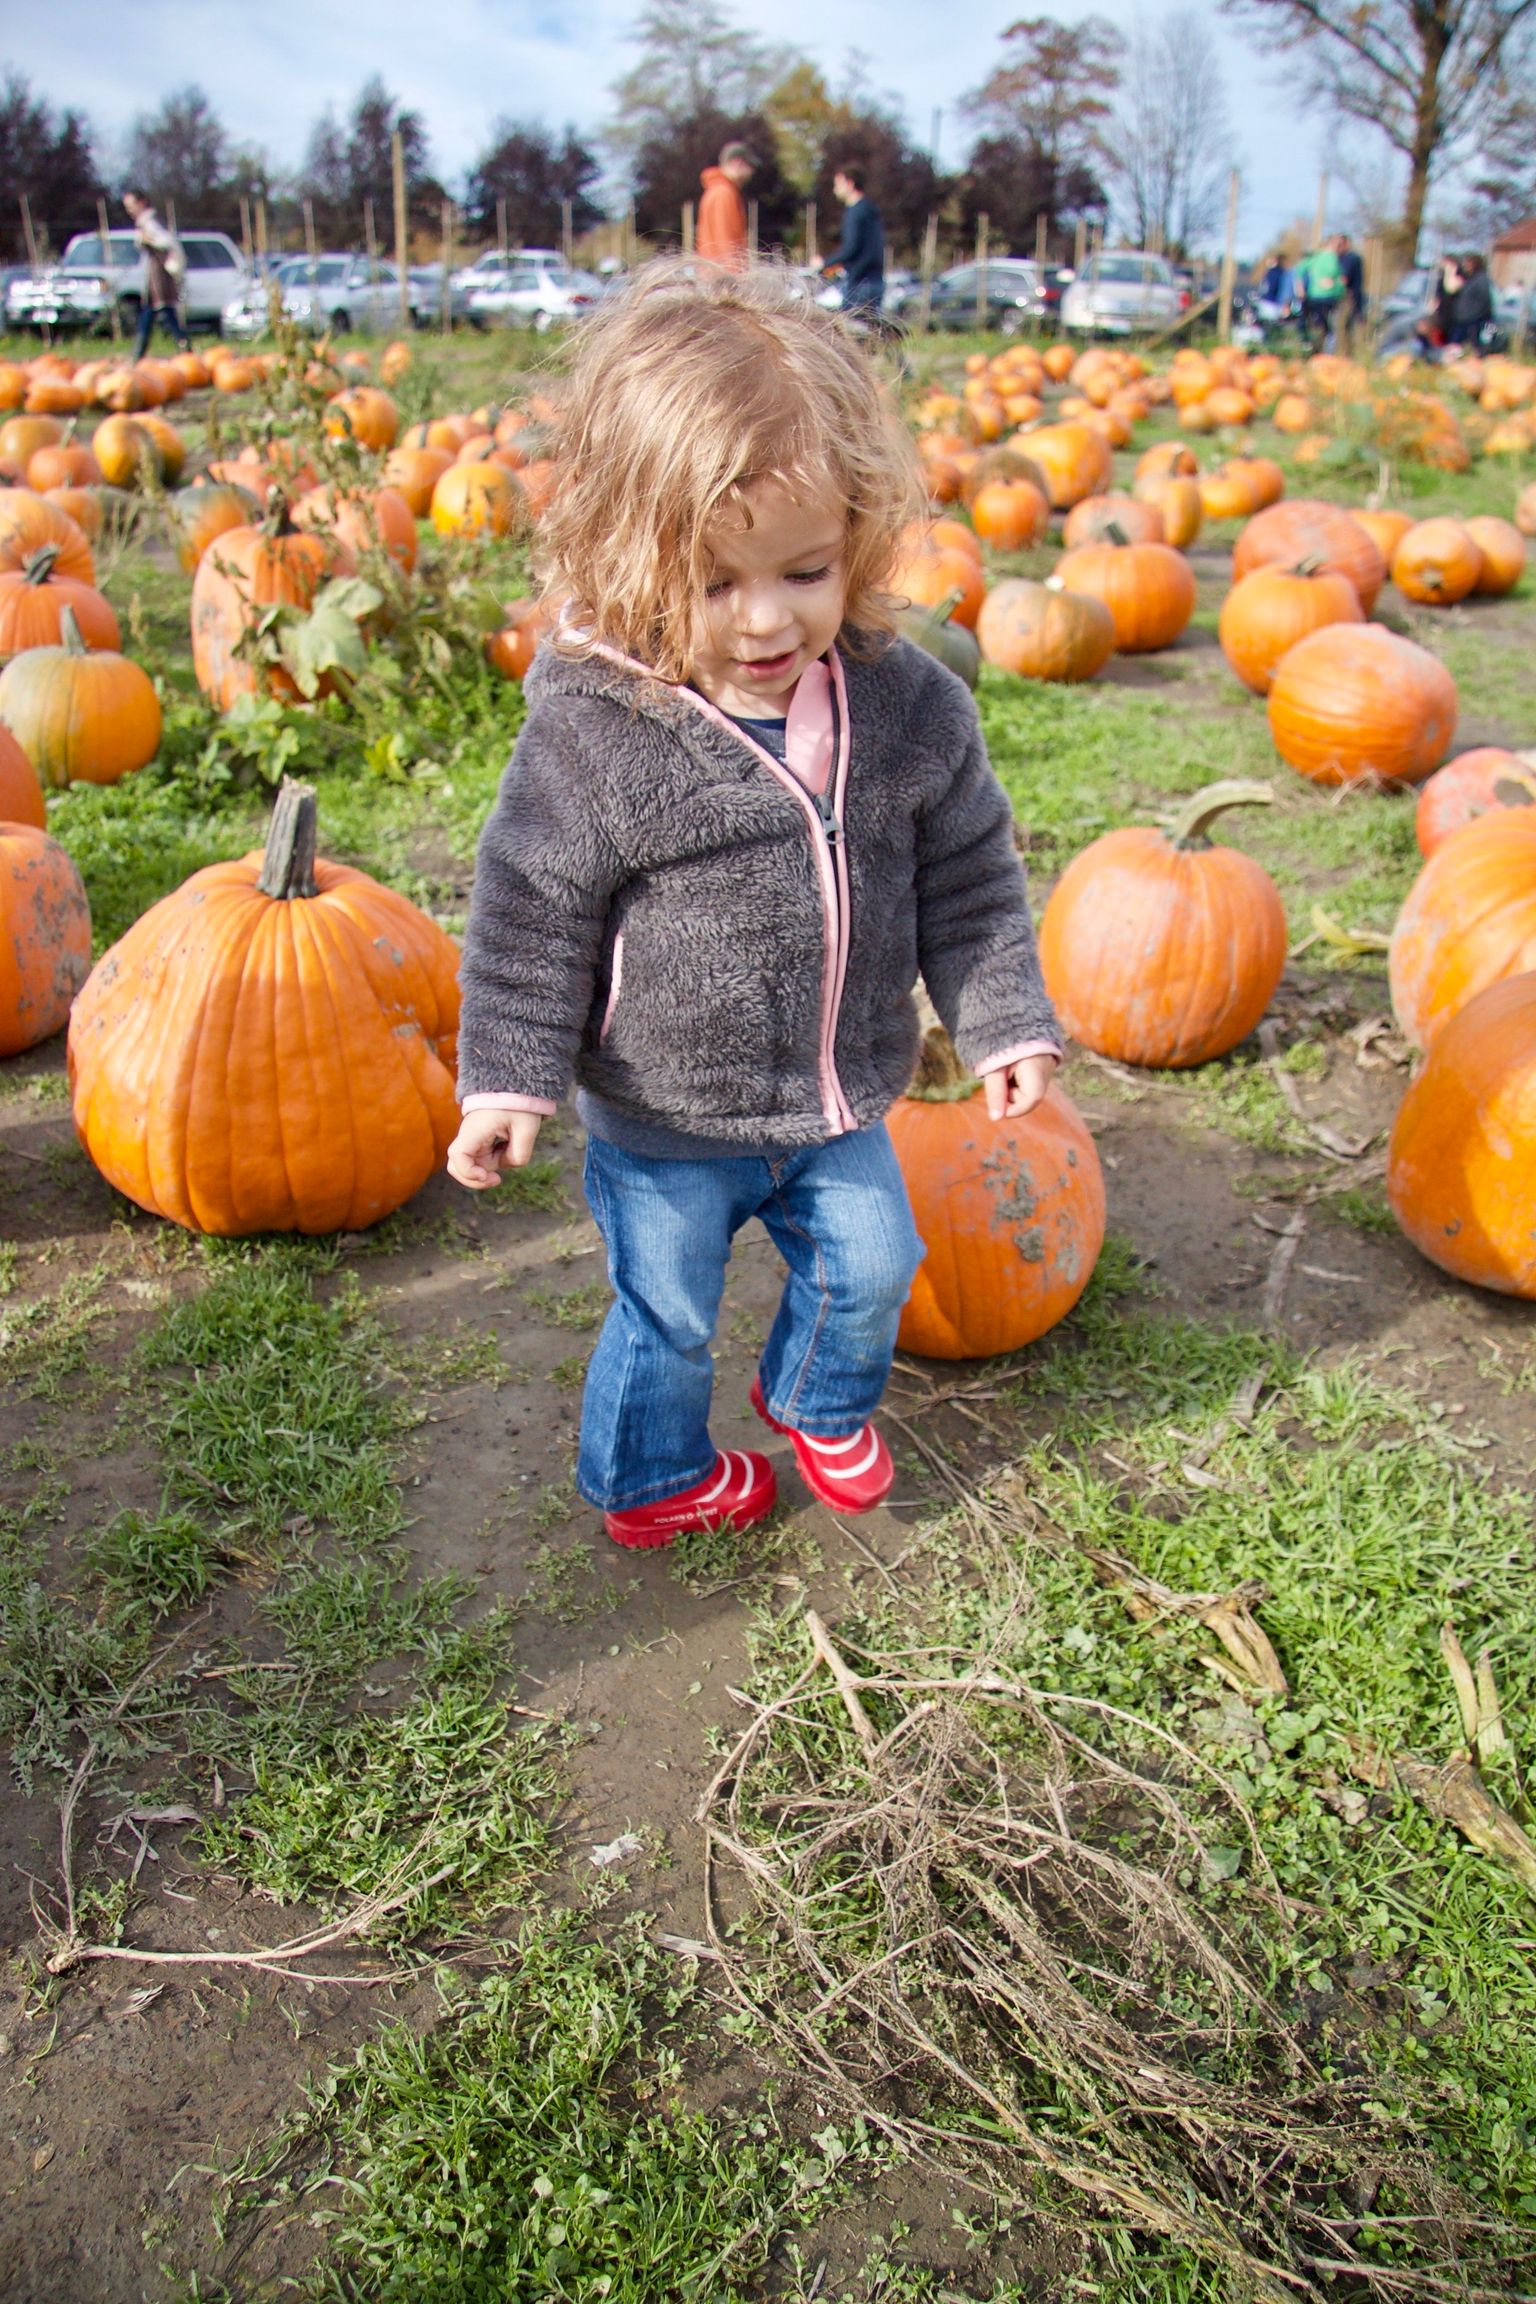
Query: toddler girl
x,y
740,819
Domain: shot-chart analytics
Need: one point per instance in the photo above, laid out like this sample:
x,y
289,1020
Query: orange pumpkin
x,y
1470,786
1385,529
279,988
67,466
1267,612
1461,1161
1170,459
511,650
364,414
365,520
125,449
87,507
1503,549
1437,563
1357,704
22,436
1044,632
45,936
991,465
1468,920
1525,508
929,578
1307,530
476,499
1159,948
920,536
241,575
33,599
21,795
1149,590
206,512
28,522
83,716
447,433
1010,515
1075,460
416,472
1010,1212
1112,519
1175,498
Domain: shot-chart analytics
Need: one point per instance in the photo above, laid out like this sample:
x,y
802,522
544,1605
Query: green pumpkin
x,y
936,630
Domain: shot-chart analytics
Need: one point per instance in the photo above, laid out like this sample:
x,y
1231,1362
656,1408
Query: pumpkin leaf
x,y
326,640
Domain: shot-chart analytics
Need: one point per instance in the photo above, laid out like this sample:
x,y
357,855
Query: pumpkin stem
x,y
940,1077
38,566
1114,532
288,866
1188,829
1310,564
69,633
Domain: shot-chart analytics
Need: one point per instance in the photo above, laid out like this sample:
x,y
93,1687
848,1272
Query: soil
x,y
119,2102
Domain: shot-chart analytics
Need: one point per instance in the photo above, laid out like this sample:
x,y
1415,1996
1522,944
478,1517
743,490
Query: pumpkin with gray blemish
x,y
45,936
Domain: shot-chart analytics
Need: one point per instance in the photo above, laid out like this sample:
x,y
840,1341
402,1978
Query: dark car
x,y
1007,291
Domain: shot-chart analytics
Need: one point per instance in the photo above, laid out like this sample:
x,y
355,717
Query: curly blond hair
x,y
685,392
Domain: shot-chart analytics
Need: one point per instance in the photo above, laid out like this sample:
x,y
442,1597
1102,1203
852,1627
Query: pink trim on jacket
x,y
543,1105
1017,1056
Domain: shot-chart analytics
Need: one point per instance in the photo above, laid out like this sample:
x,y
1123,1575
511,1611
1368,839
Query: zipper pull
x,y
828,815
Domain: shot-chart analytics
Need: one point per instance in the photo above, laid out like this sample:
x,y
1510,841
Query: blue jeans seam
x,y
786,1414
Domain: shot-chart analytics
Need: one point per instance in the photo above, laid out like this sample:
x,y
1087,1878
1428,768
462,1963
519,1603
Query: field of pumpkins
x,y
1204,1366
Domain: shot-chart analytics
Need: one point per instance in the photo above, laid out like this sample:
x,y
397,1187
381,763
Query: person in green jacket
x,y
1320,283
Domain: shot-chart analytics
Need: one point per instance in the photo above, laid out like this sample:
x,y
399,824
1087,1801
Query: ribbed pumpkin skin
x,y
1011,1213
241,573
45,936
21,795
1468,921
1464,789
1155,954
1113,519
1461,1162
1503,549
1305,529
81,718
1354,702
1045,634
32,613
241,1063
205,513
1269,610
1176,500
1149,590
473,498
1437,563
28,521
1076,461
367,520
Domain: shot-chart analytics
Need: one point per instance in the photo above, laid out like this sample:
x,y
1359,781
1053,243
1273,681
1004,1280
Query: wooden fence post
x,y
1228,264
261,228
28,234
751,231
402,226
1321,224
687,227
1040,229
246,244
1080,245
810,232
104,228
983,237
447,265
311,244
501,229
929,265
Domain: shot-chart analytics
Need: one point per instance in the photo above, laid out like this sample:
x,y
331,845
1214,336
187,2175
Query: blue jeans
x,y
838,1215
148,315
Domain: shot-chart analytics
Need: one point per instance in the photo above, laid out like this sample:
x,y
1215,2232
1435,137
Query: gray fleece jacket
x,y
666,915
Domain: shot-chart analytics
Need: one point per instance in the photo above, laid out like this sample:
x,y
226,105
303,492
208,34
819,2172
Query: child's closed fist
x,y
1018,1087
490,1141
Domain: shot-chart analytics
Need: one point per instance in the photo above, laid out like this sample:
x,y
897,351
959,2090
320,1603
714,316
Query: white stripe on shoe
x,y
722,1482
866,1432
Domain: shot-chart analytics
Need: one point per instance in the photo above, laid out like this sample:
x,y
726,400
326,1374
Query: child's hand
x,y
1018,1088
490,1141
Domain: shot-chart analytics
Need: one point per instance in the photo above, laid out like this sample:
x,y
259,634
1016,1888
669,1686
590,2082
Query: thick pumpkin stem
x,y
1188,829
288,866
38,566
940,1077
69,633
1115,532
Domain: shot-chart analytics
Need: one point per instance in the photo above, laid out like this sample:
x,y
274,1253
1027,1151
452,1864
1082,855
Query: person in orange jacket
x,y
721,237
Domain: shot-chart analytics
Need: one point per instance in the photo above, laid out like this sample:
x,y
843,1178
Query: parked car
x,y
1123,290
1009,290
330,295
537,296
490,269
92,276
898,285
426,283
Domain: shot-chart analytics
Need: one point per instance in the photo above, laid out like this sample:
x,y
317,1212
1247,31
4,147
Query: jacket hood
x,y
713,176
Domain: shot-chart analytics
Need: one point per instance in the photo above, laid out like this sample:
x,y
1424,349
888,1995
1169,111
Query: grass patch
x,y
538,1189
48,1341
339,1616
155,1560
576,1308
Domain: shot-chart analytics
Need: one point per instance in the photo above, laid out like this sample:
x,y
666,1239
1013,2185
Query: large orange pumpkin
x,y
1044,632
21,795
1503,549
1268,611
363,520
511,650
1010,515
1385,529
28,521
67,466
202,514
1170,459
1357,704
1149,590
476,499
1461,1162
1437,563
1306,530
271,1048
1113,519
126,450
416,472
22,436
1076,461
1176,500
1010,1213
364,414
1468,920
241,575
1469,786
33,599
932,577
1159,948
45,936
82,715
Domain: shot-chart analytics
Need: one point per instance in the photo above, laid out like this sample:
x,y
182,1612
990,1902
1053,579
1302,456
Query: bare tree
x,y
1427,74
179,156
1167,154
693,61
1053,88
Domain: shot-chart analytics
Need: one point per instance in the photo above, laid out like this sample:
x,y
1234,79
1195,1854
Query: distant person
x,y
861,257
1278,286
1352,273
1433,333
167,270
1321,284
1473,309
721,237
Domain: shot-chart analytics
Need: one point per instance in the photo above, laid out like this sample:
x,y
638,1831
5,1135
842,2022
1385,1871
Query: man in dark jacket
x,y
166,269
861,257
1474,303
1352,308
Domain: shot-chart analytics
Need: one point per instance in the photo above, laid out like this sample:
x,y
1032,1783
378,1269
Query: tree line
x,y
1075,123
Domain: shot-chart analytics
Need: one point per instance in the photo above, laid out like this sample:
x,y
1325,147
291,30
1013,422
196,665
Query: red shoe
x,y
852,1475
740,1490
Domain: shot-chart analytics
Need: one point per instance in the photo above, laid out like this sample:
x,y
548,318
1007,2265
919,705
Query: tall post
x,y
1080,245
810,233
261,228
929,267
983,236
687,227
370,234
567,233
631,238
1375,256
1321,225
245,226
402,227
104,228
933,141
1523,321
1228,264
311,244
170,218
501,229
1040,230
751,231
447,265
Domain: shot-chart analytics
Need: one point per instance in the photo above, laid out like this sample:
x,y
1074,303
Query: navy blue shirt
x,y
862,254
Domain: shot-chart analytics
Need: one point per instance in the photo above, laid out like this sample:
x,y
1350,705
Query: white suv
x,y
1121,290
89,279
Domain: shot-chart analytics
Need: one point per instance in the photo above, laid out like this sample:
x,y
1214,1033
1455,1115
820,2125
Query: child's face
x,y
774,600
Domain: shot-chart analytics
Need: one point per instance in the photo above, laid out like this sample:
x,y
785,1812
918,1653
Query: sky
x,y
269,70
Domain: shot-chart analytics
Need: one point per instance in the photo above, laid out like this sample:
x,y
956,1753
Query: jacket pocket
x,y
615,980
